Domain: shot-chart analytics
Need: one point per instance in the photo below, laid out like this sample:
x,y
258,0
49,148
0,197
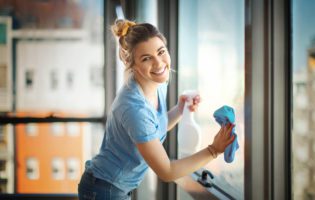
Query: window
x,y
51,92
32,169
303,97
211,61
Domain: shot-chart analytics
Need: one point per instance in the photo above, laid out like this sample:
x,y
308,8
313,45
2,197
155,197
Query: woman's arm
x,y
156,157
174,114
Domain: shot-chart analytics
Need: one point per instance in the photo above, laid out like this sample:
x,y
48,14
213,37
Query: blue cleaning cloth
x,y
224,115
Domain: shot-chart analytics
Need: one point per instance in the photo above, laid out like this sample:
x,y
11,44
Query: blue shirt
x,y
132,120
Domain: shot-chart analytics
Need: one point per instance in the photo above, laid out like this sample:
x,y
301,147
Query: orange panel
x,y
311,62
44,147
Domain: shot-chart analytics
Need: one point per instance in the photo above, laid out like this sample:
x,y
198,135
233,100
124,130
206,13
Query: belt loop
x,y
93,178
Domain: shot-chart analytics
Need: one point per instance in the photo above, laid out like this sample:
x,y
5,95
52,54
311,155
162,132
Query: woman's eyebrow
x,y
161,48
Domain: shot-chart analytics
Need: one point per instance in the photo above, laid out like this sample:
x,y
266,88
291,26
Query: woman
x,y
138,122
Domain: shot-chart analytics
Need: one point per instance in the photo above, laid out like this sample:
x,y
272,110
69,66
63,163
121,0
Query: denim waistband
x,y
89,176
88,180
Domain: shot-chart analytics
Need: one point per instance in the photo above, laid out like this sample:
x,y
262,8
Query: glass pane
x,y
58,57
5,64
303,94
51,63
147,11
43,161
211,61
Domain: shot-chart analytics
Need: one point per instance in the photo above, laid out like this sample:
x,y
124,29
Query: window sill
x,y
194,188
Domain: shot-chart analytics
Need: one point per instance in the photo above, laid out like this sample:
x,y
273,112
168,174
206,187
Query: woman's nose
x,y
158,61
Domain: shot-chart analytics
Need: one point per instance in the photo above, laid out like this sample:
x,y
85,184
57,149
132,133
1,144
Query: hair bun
x,y
120,28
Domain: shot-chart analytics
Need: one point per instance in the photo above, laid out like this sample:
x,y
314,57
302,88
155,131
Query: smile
x,y
160,72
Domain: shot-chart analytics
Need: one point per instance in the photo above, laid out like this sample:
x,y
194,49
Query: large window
x,y
303,94
51,89
211,60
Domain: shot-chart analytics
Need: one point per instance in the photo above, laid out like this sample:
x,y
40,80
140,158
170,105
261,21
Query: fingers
x,y
196,99
224,137
229,134
228,128
195,103
226,134
230,140
181,102
183,98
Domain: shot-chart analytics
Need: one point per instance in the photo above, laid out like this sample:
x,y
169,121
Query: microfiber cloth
x,y
224,115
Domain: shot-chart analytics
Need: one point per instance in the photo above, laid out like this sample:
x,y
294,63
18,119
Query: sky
x,y
303,31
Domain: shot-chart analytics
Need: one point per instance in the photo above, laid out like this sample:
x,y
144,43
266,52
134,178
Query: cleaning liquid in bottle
x,y
189,132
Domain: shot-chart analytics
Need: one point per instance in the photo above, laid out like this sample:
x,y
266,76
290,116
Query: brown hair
x,y
130,34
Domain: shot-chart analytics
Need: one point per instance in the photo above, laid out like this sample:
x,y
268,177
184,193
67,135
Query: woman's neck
x,y
149,88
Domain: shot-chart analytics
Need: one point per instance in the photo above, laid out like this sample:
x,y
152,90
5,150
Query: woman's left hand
x,y
184,98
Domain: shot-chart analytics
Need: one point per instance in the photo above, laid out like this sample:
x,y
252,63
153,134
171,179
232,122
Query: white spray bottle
x,y
189,132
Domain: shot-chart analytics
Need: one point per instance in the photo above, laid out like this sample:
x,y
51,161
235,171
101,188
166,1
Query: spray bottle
x,y
189,132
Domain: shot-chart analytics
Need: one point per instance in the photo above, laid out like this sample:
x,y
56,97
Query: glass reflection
x,y
51,63
41,160
211,60
303,97
57,47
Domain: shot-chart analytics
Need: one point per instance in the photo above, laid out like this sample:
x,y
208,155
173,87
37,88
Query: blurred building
x,y
49,157
6,159
310,190
51,63
304,129
6,105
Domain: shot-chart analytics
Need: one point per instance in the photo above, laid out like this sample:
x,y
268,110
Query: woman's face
x,y
152,61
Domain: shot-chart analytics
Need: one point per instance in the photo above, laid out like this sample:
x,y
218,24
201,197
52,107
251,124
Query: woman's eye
x,y
145,59
161,52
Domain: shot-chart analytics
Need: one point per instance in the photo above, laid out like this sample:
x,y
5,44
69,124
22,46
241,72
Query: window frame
x,y
267,99
267,96
168,25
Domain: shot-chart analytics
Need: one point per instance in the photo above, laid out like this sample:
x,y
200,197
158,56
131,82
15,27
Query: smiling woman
x,y
152,67
152,63
138,121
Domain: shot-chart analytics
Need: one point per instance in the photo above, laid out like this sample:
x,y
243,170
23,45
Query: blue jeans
x,y
91,188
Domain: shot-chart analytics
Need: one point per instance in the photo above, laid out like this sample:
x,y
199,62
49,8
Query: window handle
x,y
204,180
205,173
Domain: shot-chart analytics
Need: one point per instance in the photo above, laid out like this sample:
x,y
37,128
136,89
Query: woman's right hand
x,y
223,138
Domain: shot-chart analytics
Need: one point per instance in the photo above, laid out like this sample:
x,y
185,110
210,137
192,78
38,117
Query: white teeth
x,y
160,71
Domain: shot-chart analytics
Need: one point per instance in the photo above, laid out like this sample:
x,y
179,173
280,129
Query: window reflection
x,y
51,157
51,63
32,168
6,159
303,94
211,60
59,76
